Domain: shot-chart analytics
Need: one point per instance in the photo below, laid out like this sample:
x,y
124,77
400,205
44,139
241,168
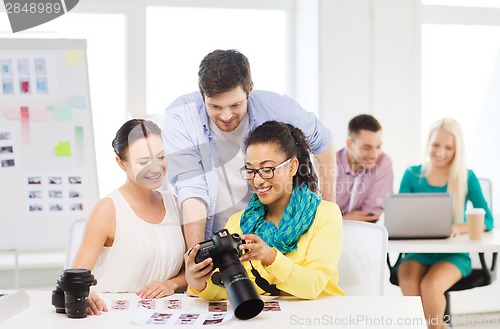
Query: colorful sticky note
x,y
80,153
74,58
78,102
25,124
24,86
63,149
63,113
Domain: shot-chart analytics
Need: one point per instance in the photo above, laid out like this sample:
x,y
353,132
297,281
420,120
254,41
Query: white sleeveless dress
x,y
141,252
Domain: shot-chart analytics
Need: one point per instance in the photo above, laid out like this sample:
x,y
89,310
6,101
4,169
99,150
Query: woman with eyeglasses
x,y
292,237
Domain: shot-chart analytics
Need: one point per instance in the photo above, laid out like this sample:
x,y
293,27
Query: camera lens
x,y
240,289
241,292
58,300
76,304
76,286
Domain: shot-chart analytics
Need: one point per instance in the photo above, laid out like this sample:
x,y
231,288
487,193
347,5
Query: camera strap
x,y
217,279
263,283
259,280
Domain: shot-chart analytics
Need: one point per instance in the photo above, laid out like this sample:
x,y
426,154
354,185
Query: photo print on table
x,y
159,318
217,307
214,318
172,304
120,304
272,306
149,304
187,319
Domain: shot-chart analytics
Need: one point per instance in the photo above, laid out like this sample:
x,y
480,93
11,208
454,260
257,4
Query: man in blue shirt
x,y
203,134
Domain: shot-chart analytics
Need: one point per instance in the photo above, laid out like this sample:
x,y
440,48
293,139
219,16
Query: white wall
x,y
368,61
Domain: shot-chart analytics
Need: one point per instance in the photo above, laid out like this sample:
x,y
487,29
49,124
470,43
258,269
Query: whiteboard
x,y
48,175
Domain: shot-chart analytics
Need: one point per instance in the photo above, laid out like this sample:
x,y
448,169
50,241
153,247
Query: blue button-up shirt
x,y
192,153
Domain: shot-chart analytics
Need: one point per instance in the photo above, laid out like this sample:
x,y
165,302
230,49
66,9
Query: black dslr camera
x,y
72,292
224,250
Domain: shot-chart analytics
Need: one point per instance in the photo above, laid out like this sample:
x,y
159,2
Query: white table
x,y
489,243
339,312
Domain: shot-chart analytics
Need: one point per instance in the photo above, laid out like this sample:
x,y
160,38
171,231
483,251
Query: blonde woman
x,y
430,275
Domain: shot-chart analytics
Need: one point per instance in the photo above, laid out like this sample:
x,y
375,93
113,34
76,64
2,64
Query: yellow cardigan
x,y
307,272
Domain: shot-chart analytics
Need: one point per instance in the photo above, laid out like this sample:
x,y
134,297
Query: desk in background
x,y
339,312
489,243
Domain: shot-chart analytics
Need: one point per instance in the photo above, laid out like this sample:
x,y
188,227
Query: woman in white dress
x,y
133,241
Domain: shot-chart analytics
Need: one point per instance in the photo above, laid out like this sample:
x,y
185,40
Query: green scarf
x,y
297,218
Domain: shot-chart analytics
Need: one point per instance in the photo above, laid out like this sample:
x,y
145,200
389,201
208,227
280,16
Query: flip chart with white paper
x,y
48,175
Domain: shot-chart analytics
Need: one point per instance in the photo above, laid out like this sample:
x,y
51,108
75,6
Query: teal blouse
x,y
414,182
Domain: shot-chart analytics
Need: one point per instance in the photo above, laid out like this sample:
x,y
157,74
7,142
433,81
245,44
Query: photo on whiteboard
x,y
8,86
34,180
35,207
5,136
75,179
24,86
40,68
55,180
35,195
8,163
55,194
41,85
6,67
6,149
76,207
56,207
23,67
75,194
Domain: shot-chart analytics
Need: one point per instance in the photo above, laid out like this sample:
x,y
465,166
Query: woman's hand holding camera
x,y
257,249
197,274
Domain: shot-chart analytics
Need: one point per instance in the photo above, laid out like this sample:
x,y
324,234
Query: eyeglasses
x,y
264,172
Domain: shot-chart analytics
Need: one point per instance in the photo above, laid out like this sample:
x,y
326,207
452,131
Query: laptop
x,y
418,215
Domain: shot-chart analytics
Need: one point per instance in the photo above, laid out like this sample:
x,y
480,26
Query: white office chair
x,y
487,189
74,239
362,262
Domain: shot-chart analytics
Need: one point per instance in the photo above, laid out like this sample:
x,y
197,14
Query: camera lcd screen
x,y
206,244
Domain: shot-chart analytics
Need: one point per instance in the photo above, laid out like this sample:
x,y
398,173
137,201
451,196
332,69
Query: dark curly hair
x,y
293,143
